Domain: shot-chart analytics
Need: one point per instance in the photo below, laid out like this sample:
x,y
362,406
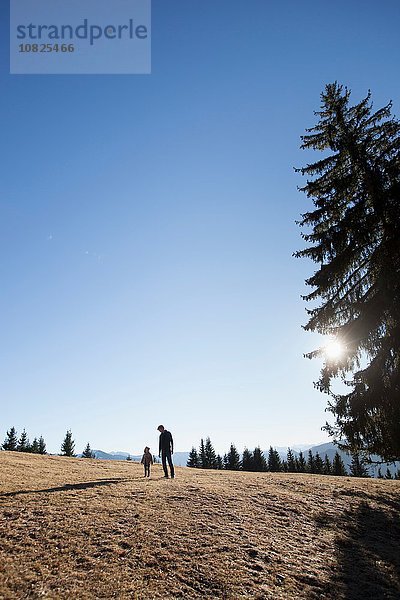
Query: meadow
x,y
88,529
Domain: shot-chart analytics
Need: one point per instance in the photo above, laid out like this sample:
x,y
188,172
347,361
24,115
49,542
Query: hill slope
x,y
76,528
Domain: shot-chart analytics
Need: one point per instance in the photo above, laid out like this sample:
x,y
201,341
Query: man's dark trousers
x,y
166,456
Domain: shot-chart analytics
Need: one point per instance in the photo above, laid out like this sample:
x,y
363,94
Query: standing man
x,y
166,449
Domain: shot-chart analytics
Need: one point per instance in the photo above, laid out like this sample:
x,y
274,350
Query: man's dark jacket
x,y
166,442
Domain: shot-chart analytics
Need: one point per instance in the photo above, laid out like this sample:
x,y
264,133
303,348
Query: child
x,y
147,460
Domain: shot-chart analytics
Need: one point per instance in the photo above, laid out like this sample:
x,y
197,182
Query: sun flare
x,y
334,350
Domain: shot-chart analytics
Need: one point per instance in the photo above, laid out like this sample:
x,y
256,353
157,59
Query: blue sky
x,y
147,225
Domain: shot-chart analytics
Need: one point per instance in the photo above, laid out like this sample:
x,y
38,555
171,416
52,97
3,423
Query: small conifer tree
x,y
211,457
274,460
310,462
42,445
357,467
338,467
318,464
291,463
128,458
247,463
35,446
202,455
68,445
232,460
259,462
87,453
23,442
193,459
327,466
301,465
220,464
11,441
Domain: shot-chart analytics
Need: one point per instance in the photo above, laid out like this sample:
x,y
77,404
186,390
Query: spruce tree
x,y
357,467
354,237
327,466
232,459
291,463
87,453
11,441
220,463
247,463
202,456
42,446
23,443
338,467
211,457
193,459
380,476
35,446
274,460
301,465
318,464
259,461
310,462
68,445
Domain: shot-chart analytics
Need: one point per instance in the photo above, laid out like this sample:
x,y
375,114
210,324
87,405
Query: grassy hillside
x,y
75,528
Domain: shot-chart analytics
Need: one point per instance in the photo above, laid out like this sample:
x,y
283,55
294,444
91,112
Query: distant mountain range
x,y
180,458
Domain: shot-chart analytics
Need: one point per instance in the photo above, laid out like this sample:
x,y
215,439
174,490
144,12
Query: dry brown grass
x,y
74,528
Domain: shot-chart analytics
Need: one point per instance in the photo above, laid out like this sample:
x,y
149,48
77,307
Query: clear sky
x,y
147,224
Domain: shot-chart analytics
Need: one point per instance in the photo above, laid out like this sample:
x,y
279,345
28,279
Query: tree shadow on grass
x,y
367,551
66,487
